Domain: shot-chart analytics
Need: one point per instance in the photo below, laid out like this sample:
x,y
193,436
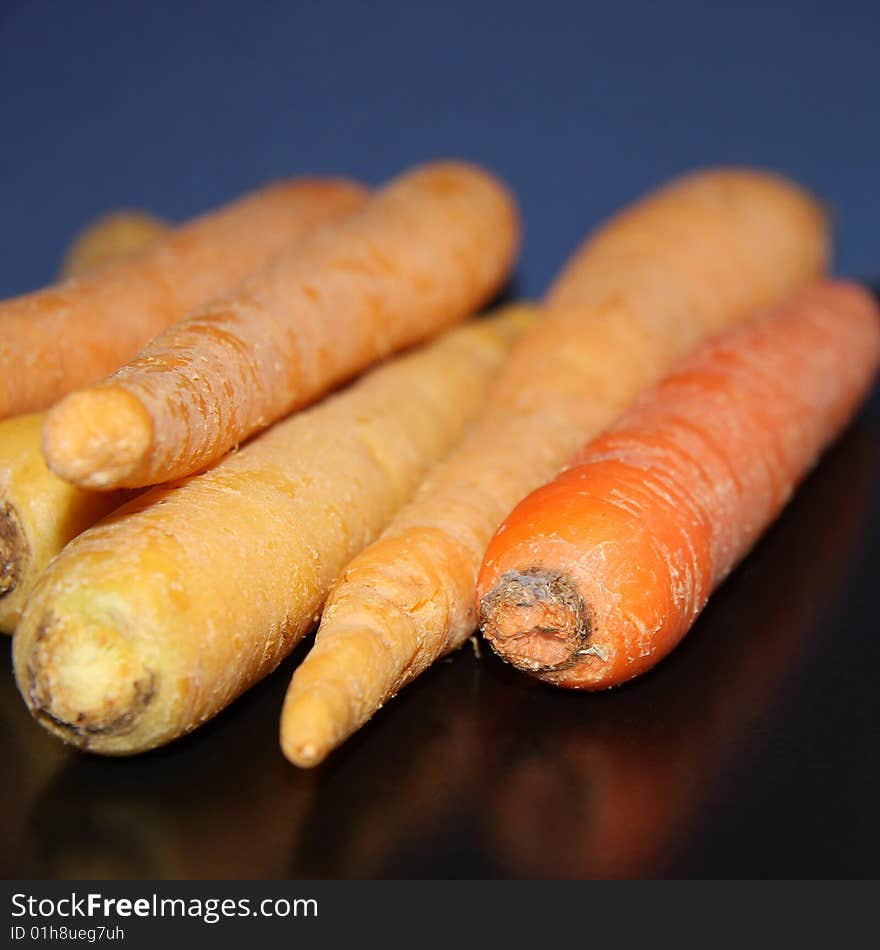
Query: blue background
x,y
579,106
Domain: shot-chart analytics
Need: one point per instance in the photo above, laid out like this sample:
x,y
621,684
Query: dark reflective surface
x,y
752,751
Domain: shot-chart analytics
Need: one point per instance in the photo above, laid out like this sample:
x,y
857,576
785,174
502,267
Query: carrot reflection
x,y
32,757
223,804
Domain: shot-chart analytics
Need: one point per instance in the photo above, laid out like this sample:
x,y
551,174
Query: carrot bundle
x,y
40,513
152,621
76,332
596,576
700,254
428,250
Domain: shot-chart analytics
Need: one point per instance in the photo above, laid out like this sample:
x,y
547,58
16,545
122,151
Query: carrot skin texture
x,y
76,332
697,255
652,515
155,619
428,250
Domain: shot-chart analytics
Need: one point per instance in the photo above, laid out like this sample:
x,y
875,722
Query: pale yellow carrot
x,y
151,622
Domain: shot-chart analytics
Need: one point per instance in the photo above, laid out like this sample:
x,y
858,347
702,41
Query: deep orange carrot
x,y
74,333
596,576
429,249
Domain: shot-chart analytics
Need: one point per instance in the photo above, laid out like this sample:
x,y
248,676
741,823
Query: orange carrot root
x,y
72,334
429,249
596,576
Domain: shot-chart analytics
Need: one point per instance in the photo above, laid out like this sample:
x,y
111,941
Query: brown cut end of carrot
x,y
14,550
95,437
540,617
106,687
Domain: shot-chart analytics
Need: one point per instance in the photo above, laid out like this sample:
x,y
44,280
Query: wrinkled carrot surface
x,y
702,253
428,250
155,619
76,332
597,575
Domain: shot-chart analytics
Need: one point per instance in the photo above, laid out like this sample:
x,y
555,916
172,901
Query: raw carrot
x,y
39,512
597,575
74,333
426,251
152,621
111,237
702,253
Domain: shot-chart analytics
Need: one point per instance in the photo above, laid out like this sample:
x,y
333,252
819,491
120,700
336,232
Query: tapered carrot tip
x,y
307,729
96,437
103,684
536,620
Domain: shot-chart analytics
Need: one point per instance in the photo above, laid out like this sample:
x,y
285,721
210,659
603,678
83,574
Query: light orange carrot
x,y
155,619
700,254
597,575
111,237
428,250
74,333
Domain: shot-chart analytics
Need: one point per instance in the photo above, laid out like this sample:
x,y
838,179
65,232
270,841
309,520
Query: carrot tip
x,y
306,728
536,620
304,754
97,437
307,754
